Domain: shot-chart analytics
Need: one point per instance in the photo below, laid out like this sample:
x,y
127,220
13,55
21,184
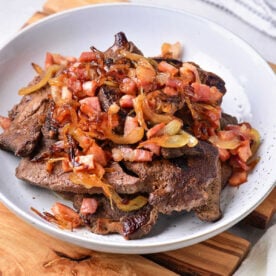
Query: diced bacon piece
x,y
130,124
88,206
164,66
89,87
98,153
66,216
49,60
156,130
188,68
174,82
244,151
128,86
5,122
132,155
66,165
145,75
171,92
237,178
224,154
171,50
85,162
66,94
87,57
203,93
90,105
154,148
140,155
126,101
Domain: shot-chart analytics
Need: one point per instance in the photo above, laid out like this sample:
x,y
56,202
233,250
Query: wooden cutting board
x,y
25,250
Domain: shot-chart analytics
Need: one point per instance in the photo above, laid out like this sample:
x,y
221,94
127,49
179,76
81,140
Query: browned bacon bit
x,y
88,206
63,216
5,122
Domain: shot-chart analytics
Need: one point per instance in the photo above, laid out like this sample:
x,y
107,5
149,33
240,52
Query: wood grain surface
x,y
25,250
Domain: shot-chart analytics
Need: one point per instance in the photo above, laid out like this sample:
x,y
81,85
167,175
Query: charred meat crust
x,y
109,219
26,121
182,183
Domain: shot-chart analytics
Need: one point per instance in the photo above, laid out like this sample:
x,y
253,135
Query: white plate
x,y
251,96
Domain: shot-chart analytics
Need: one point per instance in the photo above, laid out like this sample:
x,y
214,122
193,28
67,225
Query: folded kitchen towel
x,y
261,14
261,259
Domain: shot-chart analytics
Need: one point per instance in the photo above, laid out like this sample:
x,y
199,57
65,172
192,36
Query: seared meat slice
x,y
107,96
36,174
26,122
226,172
131,225
120,43
210,211
211,79
124,182
169,153
227,119
183,183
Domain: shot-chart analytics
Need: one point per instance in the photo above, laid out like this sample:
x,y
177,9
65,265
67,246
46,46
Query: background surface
x,y
14,13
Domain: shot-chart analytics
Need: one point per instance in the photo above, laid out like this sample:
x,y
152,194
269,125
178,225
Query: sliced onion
x,y
173,127
90,180
137,104
225,144
256,138
172,141
155,117
48,74
133,137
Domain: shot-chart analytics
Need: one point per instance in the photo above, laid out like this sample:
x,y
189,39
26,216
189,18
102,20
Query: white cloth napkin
x,y
261,14
261,260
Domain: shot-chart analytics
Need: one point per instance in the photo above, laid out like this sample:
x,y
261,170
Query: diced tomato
x,y
164,66
130,124
90,106
87,57
126,101
88,206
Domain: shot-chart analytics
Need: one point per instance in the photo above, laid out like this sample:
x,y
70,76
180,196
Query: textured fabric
x,y
259,13
261,260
